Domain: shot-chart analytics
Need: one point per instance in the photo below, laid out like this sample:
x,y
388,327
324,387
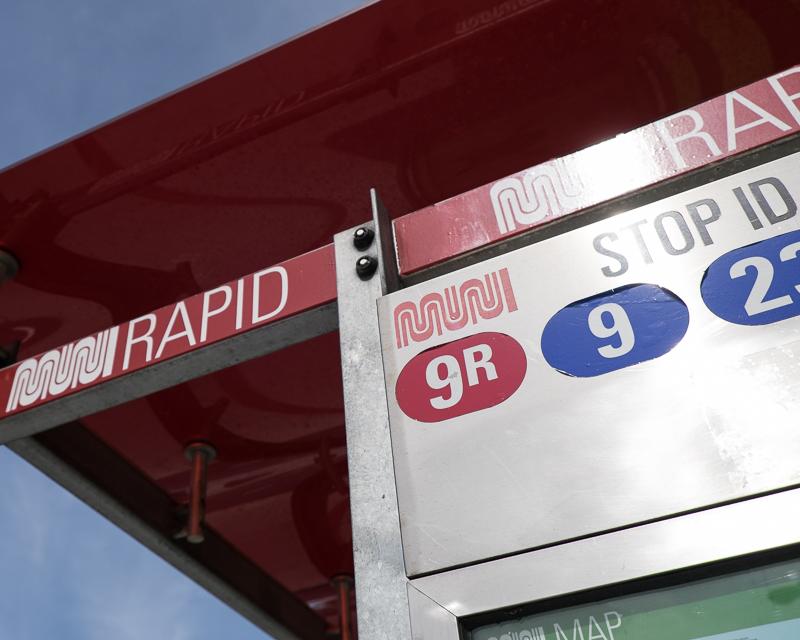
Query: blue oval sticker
x,y
614,330
756,284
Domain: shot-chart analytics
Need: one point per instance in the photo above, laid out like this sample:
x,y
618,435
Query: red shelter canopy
x,y
265,161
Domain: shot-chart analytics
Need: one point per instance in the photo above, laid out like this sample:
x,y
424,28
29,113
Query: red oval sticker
x,y
461,377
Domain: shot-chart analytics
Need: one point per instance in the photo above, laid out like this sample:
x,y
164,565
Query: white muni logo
x,y
546,190
56,371
535,633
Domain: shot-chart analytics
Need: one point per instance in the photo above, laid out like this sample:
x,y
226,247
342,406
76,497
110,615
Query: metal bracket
x,y
440,600
387,249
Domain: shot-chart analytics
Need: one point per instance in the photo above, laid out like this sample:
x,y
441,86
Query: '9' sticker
x,y
613,330
461,377
756,284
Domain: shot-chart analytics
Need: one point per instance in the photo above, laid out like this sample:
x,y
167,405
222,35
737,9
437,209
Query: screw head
x,y
362,238
366,267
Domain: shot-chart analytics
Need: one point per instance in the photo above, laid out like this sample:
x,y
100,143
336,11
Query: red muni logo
x,y
454,307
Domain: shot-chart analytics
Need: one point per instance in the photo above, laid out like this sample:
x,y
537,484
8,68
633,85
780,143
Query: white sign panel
x,y
634,368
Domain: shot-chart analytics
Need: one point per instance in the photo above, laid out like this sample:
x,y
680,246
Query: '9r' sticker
x,y
461,377
614,330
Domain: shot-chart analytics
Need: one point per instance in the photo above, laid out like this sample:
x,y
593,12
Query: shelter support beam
x,y
118,492
199,454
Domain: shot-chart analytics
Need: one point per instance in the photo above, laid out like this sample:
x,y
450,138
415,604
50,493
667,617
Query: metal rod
x,y
343,586
387,252
200,454
90,469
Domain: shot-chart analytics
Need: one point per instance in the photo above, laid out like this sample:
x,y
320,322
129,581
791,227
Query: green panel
x,y
758,604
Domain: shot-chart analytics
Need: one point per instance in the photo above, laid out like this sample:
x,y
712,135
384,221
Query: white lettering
x,y
577,632
208,312
695,132
607,615
766,117
257,317
239,302
786,99
479,357
145,337
180,310
451,381
595,630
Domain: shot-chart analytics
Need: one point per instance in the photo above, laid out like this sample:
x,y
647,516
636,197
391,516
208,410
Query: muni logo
x,y
535,633
454,307
596,628
74,364
547,190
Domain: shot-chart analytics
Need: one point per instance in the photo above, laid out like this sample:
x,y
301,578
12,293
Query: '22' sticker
x,y
756,284
614,330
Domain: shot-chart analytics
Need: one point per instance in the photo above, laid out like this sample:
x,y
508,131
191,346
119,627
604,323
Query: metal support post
x,y
199,454
381,598
344,586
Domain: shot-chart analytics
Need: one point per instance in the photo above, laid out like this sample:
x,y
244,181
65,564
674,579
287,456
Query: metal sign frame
x,y
437,602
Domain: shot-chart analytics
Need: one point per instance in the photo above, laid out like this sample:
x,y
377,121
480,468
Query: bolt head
x,y
366,267
363,237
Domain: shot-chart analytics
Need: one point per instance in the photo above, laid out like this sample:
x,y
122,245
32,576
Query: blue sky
x,y
65,572
66,66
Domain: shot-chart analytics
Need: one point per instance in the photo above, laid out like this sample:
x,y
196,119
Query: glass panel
x,y
758,604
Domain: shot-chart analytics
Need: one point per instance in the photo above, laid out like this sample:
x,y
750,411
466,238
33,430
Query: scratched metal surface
x,y
712,420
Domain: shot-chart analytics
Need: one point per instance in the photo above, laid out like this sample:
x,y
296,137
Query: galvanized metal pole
x,y
381,598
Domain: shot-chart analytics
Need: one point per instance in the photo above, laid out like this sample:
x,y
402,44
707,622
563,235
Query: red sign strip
x,y
760,113
255,300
